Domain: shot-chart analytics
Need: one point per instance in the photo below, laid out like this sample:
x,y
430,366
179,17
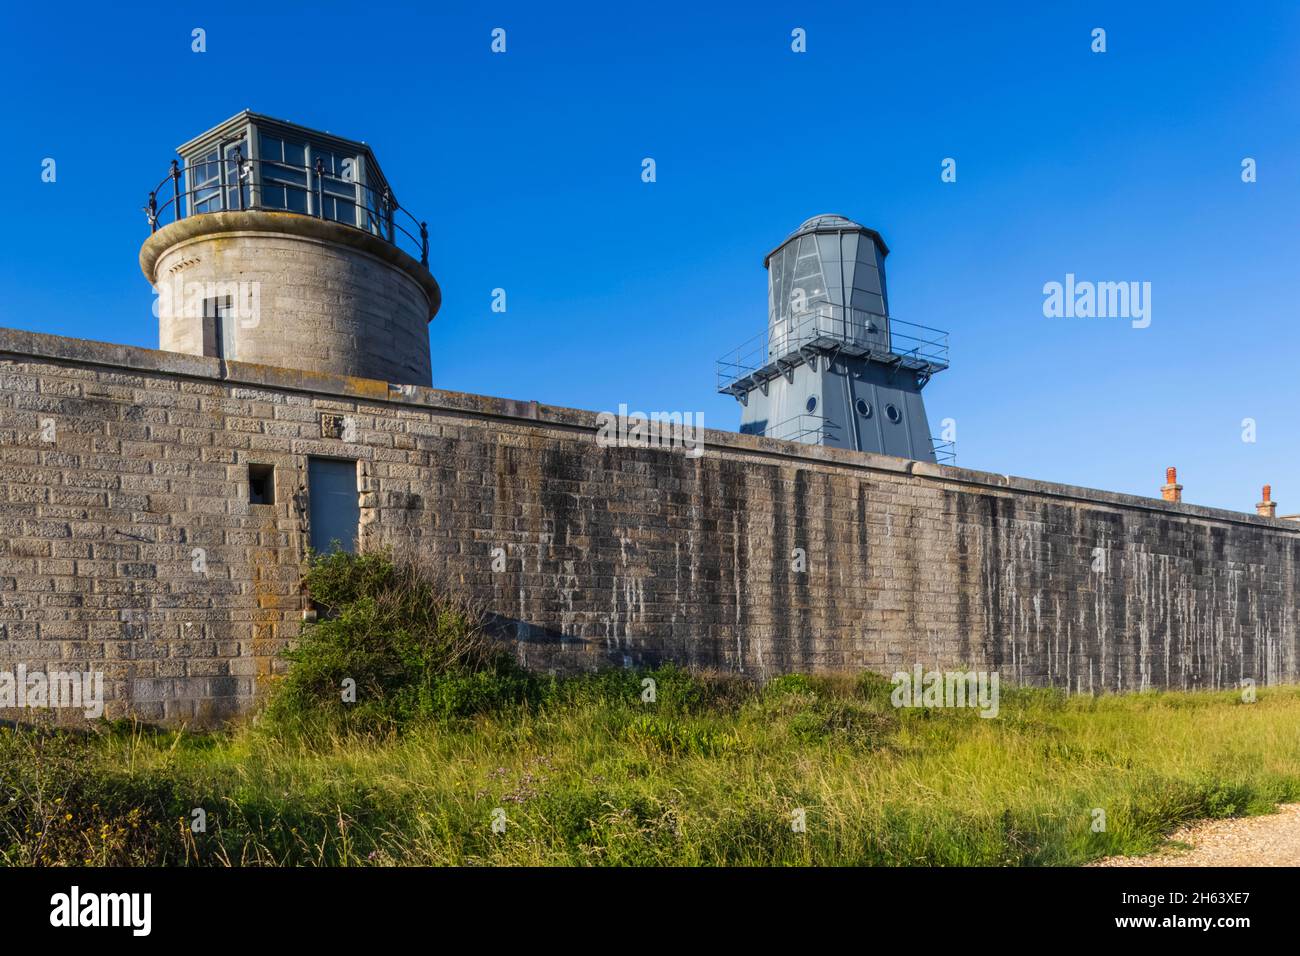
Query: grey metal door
x,y
218,327
335,509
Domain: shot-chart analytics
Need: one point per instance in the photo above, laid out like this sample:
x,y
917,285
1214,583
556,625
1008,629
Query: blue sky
x,y
1122,166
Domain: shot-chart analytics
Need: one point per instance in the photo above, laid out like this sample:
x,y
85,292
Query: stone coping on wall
x,y
22,345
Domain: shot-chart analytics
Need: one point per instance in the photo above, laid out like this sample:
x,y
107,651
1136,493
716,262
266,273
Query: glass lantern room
x,y
255,162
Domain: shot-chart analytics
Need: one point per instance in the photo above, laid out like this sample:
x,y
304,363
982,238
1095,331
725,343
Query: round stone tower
x,y
286,246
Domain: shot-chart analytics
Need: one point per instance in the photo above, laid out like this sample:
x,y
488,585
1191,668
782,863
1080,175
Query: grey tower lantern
x,y
277,244
834,368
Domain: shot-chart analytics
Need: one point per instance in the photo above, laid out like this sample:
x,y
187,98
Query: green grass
x,y
709,774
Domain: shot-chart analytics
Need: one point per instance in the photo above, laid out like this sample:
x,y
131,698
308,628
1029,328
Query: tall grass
x,y
599,777
585,771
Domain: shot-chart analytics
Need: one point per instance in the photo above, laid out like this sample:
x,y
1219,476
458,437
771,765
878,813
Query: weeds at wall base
x,y
585,771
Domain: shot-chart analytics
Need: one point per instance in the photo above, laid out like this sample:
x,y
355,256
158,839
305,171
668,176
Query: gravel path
x,y
1273,840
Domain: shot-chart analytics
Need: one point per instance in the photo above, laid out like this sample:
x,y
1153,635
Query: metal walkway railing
x,y
801,427
826,327
237,183
945,452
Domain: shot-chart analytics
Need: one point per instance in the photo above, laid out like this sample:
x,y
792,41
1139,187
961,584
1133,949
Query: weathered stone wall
x,y
612,554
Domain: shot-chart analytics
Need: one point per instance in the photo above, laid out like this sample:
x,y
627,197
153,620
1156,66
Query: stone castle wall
x,y
120,466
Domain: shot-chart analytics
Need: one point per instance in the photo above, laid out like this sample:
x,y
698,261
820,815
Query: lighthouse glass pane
x,y
849,241
339,167
338,186
340,211
279,191
787,279
276,150
808,276
284,174
273,196
339,197
204,174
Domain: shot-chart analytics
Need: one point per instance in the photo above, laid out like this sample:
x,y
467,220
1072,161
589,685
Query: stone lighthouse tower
x,y
834,367
281,245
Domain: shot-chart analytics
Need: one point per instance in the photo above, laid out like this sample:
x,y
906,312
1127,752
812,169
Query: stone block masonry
x,y
128,542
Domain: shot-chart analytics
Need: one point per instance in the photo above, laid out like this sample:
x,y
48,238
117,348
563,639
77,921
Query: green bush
x,y
409,649
415,652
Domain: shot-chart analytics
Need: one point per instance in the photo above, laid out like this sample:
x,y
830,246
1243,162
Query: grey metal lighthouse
x,y
834,368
